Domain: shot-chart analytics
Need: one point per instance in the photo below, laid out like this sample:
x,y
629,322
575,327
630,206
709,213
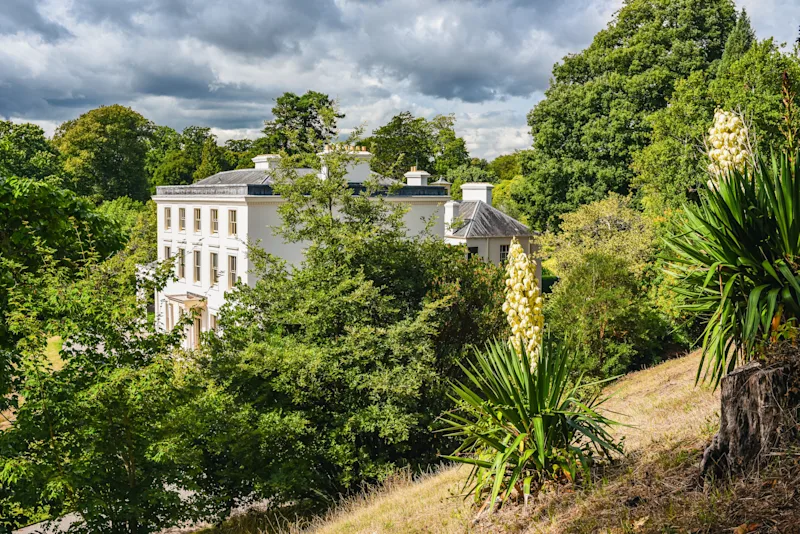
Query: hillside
x,y
654,489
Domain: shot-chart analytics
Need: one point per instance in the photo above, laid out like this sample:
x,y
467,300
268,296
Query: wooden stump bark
x,y
752,417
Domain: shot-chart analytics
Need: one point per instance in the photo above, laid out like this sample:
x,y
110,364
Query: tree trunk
x,y
752,418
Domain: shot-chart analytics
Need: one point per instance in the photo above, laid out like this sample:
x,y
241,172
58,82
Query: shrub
x,y
735,258
600,309
521,426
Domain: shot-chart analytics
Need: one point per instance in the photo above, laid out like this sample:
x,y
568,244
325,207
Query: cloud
x,y
222,64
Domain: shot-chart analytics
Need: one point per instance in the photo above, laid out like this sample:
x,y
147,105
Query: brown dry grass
x,y
654,489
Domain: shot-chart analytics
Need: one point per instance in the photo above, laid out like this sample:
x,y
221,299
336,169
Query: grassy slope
x,y
654,489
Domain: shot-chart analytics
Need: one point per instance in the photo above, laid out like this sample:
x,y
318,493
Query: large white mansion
x,y
206,227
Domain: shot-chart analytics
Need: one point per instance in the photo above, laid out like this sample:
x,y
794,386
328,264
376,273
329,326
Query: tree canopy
x,y
105,151
595,115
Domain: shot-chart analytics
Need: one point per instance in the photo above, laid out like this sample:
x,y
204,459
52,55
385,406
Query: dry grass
x,y
654,489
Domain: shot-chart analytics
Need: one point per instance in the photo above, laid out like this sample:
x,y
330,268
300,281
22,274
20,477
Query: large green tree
x,y
26,152
339,367
594,117
406,141
105,151
301,123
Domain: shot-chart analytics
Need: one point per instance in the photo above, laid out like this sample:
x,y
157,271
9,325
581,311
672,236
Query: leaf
x,y
744,528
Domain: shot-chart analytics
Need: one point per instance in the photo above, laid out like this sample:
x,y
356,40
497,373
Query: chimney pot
x,y
474,191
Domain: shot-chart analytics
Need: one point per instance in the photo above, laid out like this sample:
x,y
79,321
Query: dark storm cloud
x,y
222,62
250,27
24,16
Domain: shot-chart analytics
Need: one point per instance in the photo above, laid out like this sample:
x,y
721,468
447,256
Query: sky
x,y
222,63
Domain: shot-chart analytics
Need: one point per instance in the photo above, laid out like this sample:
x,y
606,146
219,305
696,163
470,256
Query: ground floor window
x,y
472,251
504,253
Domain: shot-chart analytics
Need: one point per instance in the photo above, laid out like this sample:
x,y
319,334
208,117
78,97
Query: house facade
x,y
206,228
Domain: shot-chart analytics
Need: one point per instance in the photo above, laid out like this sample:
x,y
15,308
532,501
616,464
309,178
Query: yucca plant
x,y
734,257
523,426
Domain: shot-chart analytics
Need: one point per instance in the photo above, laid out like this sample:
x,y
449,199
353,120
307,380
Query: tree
x,y
672,167
94,436
44,223
738,43
465,174
302,123
163,141
406,141
26,152
178,168
506,167
213,160
123,211
594,117
339,367
105,151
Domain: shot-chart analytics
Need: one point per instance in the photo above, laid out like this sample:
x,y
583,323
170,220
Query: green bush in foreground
x,y
735,258
521,426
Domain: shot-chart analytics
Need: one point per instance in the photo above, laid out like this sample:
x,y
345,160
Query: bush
x,y
600,310
523,426
735,258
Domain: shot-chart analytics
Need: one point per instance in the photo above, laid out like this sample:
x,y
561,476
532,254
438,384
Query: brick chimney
x,y
474,191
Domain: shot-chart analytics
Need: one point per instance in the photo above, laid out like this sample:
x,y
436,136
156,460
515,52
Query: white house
x,y
206,226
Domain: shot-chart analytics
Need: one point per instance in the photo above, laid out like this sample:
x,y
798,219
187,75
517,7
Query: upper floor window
x,y
167,218
231,271
196,260
181,219
197,220
231,222
167,253
214,268
214,221
181,263
504,252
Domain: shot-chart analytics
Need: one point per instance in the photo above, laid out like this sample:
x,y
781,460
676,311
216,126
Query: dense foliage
x,y
26,152
339,367
104,152
406,141
735,259
595,116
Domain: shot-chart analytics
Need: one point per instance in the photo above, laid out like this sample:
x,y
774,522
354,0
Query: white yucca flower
x,y
523,304
728,144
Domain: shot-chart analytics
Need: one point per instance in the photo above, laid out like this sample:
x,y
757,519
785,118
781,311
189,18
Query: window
x,y
214,221
168,316
196,265
196,330
197,220
181,219
504,253
214,268
231,271
472,251
167,253
167,218
231,222
181,263
212,322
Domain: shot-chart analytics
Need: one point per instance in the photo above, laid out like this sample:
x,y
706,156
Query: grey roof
x,y
482,220
245,177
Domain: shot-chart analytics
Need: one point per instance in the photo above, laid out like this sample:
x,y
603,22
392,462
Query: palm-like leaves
x,y
735,258
520,425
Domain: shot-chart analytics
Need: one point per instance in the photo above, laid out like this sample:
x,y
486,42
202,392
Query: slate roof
x,y
245,177
482,220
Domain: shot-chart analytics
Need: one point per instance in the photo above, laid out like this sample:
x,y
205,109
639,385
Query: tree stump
x,y
751,418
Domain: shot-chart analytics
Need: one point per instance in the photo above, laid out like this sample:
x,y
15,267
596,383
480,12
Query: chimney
x,y
450,214
267,161
415,177
474,191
